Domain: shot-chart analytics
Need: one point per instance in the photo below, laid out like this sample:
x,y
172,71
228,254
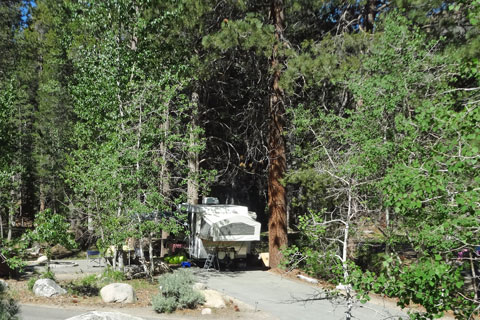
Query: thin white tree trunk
x,y
150,254
193,158
1,226
349,298
114,258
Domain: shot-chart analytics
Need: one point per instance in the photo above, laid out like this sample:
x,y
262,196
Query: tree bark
x,y
193,162
277,224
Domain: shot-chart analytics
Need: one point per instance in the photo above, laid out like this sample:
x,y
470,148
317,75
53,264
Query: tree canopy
x,y
353,123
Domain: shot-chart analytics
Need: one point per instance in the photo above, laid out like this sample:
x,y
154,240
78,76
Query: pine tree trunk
x,y
193,165
277,224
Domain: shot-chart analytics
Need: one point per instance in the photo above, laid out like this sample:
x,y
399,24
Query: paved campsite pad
x,y
265,295
65,306
70,269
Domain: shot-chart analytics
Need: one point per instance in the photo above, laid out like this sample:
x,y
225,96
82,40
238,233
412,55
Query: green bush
x,y
31,283
48,275
110,275
176,292
87,286
8,307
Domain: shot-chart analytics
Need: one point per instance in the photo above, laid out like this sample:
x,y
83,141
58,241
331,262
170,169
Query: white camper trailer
x,y
224,230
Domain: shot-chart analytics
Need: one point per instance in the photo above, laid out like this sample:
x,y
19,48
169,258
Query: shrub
x,y
176,292
48,275
110,275
87,286
31,283
8,307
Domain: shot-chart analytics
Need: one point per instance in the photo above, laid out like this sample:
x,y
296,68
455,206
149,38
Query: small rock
x,y
101,315
118,292
199,286
41,260
206,311
47,288
213,299
4,283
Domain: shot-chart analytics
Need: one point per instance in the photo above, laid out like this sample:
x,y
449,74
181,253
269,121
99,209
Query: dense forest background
x,y
354,123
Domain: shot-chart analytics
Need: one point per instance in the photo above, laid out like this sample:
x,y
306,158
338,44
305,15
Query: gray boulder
x,y
47,288
101,315
118,292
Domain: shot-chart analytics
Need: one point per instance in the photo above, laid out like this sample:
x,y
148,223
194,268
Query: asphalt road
x,y
37,312
288,299
274,295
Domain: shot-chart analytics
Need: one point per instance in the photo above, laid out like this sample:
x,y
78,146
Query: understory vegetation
x,y
8,307
353,125
176,292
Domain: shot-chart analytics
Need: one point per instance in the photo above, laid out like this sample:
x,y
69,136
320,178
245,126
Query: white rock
x,y
47,288
206,311
100,315
199,286
4,283
213,299
41,260
118,292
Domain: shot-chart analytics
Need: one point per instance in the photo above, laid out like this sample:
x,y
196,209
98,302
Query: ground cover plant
x,y
176,292
8,307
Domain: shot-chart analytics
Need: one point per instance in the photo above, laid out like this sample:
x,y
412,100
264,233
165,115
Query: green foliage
x,y
130,140
8,307
312,254
31,283
48,275
250,32
109,275
176,292
51,229
404,143
432,283
435,285
14,253
86,286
